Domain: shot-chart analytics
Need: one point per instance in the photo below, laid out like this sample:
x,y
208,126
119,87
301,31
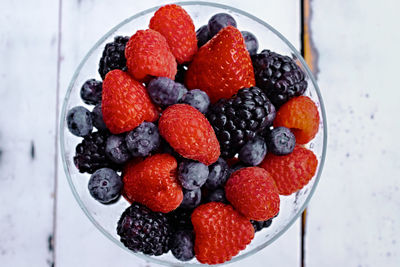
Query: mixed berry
x,y
207,132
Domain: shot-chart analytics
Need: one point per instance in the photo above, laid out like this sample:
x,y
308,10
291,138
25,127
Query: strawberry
x,y
148,54
153,183
252,192
300,114
220,232
125,103
189,133
293,171
175,24
222,66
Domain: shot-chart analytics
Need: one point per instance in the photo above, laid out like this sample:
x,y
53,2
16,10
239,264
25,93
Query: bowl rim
x,y
145,12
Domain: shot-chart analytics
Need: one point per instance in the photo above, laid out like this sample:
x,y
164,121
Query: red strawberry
x,y
153,182
300,114
221,232
148,54
293,171
253,192
189,133
222,66
175,24
125,103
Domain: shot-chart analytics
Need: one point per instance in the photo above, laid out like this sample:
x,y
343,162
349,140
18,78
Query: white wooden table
x,y
354,216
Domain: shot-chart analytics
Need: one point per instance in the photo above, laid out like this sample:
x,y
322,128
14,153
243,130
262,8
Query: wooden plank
x,y
28,53
353,219
78,242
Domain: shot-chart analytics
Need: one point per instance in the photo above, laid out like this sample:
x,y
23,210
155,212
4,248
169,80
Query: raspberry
x,y
175,24
148,54
222,66
252,191
293,171
153,183
189,133
220,231
301,116
125,103
145,231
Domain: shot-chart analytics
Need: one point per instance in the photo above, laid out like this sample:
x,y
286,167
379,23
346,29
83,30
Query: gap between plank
x,y
55,189
310,54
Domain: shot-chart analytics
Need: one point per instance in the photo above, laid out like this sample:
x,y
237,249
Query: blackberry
x,y
278,76
142,230
240,118
90,155
113,56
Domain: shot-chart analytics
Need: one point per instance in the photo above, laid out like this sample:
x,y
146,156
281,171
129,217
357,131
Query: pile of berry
x,y
198,131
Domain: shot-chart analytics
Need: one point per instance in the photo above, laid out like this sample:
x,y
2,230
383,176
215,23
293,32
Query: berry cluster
x,y
201,143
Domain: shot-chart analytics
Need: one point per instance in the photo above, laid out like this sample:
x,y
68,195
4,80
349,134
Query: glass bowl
x,y
105,217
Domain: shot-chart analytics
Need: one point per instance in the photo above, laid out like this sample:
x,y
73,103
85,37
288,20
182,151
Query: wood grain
x,y
28,52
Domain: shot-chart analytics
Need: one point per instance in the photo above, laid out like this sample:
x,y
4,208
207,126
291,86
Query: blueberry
x,y
105,185
165,92
191,198
143,139
220,21
251,42
79,121
281,141
192,174
253,152
219,174
182,245
91,92
116,149
259,225
202,35
217,196
97,118
197,99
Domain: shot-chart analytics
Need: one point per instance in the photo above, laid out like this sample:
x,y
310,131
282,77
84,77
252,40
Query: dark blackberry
x,y
90,155
113,56
142,230
259,225
278,76
180,219
240,118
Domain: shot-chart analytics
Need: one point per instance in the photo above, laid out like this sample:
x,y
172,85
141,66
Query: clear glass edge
x,y
107,35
